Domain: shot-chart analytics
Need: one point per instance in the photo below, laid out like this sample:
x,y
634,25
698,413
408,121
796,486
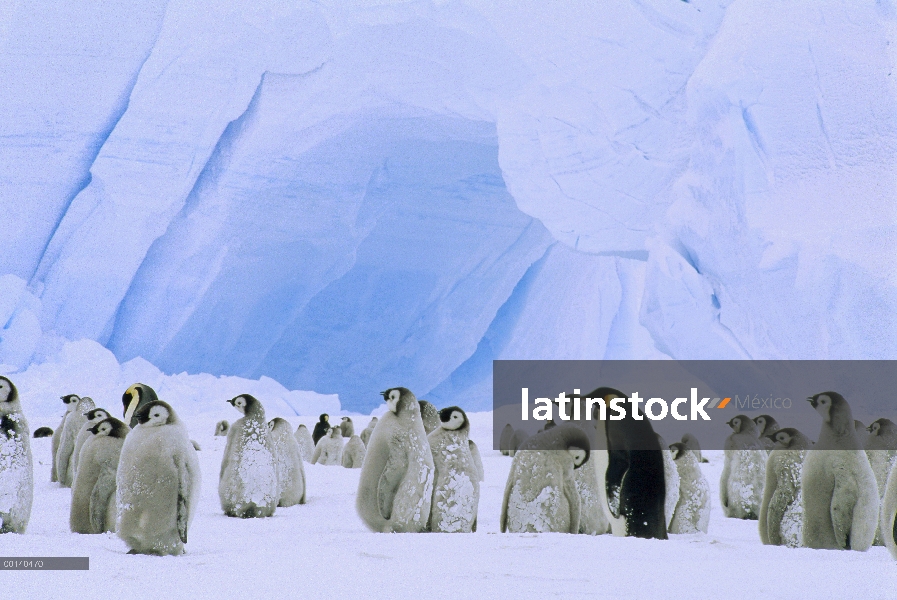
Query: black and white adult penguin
x,y
93,508
780,512
134,398
456,480
288,463
366,434
504,442
306,444
429,414
71,403
16,472
395,487
540,494
881,448
632,469
158,482
766,425
744,470
65,467
692,511
346,427
840,496
93,417
321,428
247,485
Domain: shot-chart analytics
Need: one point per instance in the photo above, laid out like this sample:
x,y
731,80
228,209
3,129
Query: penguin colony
x,y
139,477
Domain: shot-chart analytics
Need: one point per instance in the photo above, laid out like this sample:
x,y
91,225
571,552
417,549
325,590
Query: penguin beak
x,y
385,394
869,429
231,401
811,401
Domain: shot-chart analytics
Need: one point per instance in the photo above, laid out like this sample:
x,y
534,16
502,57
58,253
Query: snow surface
x,y
323,545
346,195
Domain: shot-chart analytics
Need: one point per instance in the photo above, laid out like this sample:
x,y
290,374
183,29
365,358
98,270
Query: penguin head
x,y
346,419
70,401
134,397
278,423
8,392
301,426
325,418
572,439
109,427
398,399
765,424
834,410
154,414
678,450
336,433
881,427
246,404
579,456
789,438
96,415
453,419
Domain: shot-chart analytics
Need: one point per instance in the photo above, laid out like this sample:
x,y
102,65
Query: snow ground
x,y
322,549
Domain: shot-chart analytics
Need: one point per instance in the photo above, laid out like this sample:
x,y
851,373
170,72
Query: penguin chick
x,y
221,428
456,480
71,403
65,466
93,417
691,442
288,461
541,495
840,496
692,512
158,483
16,470
765,426
881,448
306,444
395,486
744,470
780,513
93,508
247,485
329,450
347,428
353,453
366,434
429,415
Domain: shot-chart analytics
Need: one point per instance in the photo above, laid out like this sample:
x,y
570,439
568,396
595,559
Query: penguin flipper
x,y
844,499
185,493
396,467
99,501
575,504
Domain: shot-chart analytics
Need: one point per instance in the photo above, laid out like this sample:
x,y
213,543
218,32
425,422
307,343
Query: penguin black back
x,y
134,398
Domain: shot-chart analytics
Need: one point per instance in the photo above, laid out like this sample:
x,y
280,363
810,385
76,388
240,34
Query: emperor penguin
x,y
321,428
135,397
395,487
744,471
504,442
780,513
456,479
540,495
306,444
71,403
221,428
366,434
840,496
691,442
477,459
16,471
881,448
430,416
353,453
671,479
73,423
766,426
346,427
93,508
157,483
692,512
631,466
93,417
247,485
288,463
329,450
